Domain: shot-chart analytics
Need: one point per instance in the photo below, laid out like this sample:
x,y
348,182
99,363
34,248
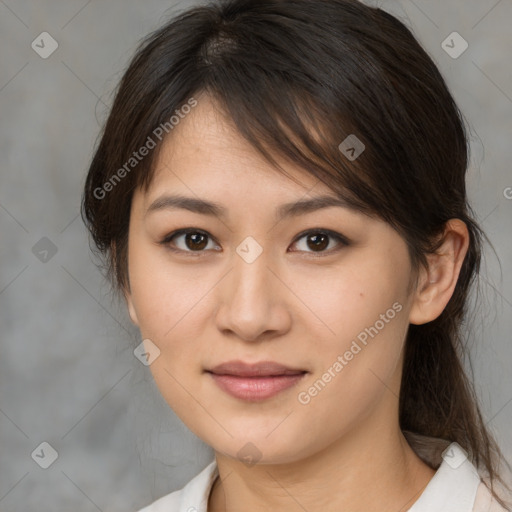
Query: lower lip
x,y
254,389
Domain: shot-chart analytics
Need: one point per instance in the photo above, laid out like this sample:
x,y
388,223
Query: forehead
x,y
206,147
206,160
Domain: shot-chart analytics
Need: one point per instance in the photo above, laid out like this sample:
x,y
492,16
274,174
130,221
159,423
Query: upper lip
x,y
262,368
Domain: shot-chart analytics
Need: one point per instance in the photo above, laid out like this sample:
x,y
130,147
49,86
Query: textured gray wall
x,y
68,376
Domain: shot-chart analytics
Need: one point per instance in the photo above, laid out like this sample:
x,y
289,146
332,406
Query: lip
x,y
255,382
261,369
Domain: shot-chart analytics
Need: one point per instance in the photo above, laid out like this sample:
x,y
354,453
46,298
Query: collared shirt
x,y
455,487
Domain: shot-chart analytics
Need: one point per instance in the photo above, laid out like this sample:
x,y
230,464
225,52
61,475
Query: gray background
x,y
67,371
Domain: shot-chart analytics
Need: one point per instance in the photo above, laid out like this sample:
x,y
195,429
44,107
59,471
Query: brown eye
x,y
195,241
190,240
319,241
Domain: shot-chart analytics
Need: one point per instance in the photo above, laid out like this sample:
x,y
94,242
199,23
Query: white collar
x,y
454,486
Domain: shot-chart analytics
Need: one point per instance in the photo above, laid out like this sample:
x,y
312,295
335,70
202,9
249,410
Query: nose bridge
x,y
251,276
250,299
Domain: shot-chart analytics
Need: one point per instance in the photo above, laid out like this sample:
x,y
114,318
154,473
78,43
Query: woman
x,y
279,193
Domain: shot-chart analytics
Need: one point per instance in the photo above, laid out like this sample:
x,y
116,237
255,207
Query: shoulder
x,y
193,497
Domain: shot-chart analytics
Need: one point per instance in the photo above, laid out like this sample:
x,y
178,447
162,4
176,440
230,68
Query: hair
x,y
296,78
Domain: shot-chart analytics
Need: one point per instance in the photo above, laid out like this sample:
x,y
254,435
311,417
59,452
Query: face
x,y
322,291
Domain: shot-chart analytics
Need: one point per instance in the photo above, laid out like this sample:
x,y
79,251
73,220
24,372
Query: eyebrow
x,y
204,207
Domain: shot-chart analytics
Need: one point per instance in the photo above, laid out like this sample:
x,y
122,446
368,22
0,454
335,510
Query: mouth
x,y
255,382
261,369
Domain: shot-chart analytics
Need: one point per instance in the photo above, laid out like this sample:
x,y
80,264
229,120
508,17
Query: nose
x,y
253,300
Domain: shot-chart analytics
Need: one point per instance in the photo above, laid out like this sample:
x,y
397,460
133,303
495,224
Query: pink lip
x,y
261,369
253,389
254,382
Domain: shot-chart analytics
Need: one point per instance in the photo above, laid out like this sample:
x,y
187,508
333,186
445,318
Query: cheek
x,y
363,312
173,304
163,296
358,365
167,303
352,297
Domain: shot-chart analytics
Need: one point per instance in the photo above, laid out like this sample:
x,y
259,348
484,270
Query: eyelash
x,y
343,241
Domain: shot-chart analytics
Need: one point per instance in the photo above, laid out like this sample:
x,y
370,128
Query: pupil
x,y
195,238
319,244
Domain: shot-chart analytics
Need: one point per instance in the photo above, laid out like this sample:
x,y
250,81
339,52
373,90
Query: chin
x,y
258,447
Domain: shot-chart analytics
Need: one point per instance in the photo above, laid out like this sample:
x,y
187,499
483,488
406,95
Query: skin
x,y
295,304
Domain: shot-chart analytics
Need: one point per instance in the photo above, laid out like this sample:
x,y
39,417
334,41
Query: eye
x,y
196,241
193,240
319,240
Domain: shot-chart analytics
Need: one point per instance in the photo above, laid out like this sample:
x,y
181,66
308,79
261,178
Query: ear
x,y
125,289
436,284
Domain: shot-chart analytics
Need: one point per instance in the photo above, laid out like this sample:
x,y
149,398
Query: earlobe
x,y
127,292
131,307
126,289
437,283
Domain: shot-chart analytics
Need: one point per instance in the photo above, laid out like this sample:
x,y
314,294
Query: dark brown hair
x,y
297,77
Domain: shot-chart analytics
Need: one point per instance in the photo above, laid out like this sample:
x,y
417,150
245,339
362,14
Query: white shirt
x,y
455,487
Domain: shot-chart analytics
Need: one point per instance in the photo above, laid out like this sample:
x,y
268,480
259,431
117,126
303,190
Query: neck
x,y
367,469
